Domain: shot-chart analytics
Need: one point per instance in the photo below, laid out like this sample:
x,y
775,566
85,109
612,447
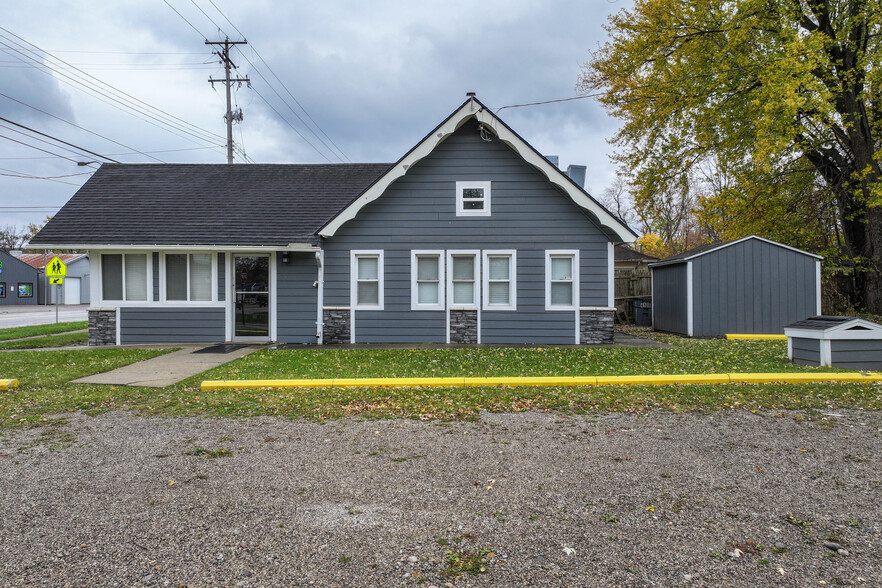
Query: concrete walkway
x,y
168,369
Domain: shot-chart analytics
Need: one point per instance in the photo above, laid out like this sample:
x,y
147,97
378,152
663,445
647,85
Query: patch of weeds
x,y
609,518
409,457
718,555
534,517
344,559
458,563
666,475
796,522
352,511
852,524
613,538
676,508
779,550
855,459
226,438
201,476
499,517
421,580
442,541
209,453
762,562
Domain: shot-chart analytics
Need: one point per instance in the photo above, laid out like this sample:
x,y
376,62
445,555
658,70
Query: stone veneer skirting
x,y
596,327
463,326
336,326
102,326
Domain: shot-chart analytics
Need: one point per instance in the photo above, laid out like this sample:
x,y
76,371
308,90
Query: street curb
x,y
757,337
8,384
655,380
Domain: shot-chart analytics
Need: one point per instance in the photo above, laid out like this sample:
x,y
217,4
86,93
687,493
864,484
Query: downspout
x,y
320,297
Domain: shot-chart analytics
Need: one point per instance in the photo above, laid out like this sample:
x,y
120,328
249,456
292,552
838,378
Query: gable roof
x,y
624,253
39,260
472,108
711,247
253,205
834,327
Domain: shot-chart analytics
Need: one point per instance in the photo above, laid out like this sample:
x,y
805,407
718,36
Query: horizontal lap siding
x,y
172,325
806,351
752,287
296,305
418,211
669,298
863,354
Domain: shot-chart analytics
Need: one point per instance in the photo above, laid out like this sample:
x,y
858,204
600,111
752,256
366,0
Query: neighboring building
x,y
19,282
471,237
76,286
751,285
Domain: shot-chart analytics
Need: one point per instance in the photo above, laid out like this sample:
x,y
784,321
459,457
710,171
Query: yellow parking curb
x,y
651,380
8,384
758,337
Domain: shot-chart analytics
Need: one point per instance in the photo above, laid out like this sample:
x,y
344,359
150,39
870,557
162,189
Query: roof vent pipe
x,y
577,174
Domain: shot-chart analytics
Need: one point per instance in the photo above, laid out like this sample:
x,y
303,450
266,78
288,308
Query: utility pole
x,y
224,54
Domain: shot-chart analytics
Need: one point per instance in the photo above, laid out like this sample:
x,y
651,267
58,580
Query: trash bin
x,y
643,312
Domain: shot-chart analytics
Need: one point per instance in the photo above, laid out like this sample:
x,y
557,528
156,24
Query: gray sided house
x,y
471,237
750,285
19,282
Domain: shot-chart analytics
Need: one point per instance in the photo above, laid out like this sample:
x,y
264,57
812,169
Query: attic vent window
x,y
473,199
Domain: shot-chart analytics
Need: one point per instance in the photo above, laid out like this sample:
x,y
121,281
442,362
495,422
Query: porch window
x,y
124,276
463,281
367,280
561,280
25,289
188,277
500,281
426,270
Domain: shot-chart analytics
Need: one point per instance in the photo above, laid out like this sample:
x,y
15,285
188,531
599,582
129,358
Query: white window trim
x,y
574,255
512,282
353,279
100,282
414,285
163,279
460,211
476,253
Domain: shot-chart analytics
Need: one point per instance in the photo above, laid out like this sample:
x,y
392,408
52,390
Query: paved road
x,y
23,316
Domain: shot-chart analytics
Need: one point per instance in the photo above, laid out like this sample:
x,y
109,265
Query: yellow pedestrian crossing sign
x,y
56,268
56,280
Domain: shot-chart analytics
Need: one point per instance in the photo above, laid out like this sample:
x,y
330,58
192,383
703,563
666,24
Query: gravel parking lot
x,y
528,499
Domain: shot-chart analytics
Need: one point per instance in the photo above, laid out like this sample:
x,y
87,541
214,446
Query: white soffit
x,y
473,109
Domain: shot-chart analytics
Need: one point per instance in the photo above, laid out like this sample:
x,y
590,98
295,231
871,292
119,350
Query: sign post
x,y
56,270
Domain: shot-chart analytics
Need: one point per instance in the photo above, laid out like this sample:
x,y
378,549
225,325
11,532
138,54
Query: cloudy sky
x,y
331,81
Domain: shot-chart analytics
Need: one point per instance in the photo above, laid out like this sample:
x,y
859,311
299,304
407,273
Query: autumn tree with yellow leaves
x,y
776,103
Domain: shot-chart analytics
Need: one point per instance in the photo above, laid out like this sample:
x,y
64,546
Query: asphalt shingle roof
x,y
200,204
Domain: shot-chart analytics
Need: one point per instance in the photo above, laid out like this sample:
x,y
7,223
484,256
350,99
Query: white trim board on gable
x,y
473,108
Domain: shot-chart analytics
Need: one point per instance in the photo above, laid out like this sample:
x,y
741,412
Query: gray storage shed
x,y
835,341
19,282
750,285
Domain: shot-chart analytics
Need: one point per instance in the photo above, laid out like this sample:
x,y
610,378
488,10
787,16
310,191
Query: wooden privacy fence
x,y
630,285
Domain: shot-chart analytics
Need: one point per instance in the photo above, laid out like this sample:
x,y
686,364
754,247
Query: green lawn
x,y
79,338
35,330
45,389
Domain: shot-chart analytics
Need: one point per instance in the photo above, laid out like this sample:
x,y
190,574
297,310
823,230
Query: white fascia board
x,y
308,247
473,109
729,244
839,332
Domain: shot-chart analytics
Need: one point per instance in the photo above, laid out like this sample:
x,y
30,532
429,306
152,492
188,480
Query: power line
x,y
284,87
58,140
130,101
198,32
79,127
38,148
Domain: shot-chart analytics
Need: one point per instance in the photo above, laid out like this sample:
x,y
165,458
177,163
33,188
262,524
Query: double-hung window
x,y
561,280
500,280
473,199
367,280
124,276
427,271
462,279
188,277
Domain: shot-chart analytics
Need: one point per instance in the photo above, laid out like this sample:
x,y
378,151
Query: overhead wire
x,y
119,96
83,149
